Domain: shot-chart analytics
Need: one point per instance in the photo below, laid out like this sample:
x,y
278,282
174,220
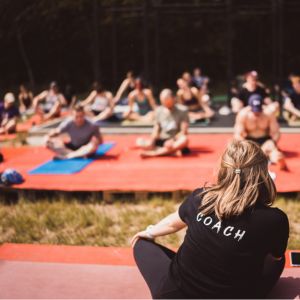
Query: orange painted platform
x,y
43,271
122,169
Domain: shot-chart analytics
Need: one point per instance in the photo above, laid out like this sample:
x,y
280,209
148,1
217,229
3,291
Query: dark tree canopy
x,y
78,41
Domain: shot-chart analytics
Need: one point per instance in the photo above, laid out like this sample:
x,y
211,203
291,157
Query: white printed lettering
x,y
199,217
218,226
239,234
228,228
209,221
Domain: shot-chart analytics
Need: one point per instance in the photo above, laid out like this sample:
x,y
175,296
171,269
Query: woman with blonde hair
x,y
235,241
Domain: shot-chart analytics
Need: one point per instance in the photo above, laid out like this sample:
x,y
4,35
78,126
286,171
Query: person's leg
x,y
271,273
273,108
58,147
11,126
273,153
53,113
196,116
170,147
153,261
104,115
236,105
145,144
83,151
208,111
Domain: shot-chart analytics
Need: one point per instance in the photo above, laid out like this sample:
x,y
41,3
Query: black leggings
x,y
153,261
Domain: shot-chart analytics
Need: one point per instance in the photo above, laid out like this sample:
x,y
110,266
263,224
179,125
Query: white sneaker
x,y
224,111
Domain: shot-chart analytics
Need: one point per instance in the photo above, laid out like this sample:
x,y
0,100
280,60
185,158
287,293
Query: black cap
x,y
256,102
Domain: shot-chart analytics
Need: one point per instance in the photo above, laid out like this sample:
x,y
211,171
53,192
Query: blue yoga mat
x,y
70,166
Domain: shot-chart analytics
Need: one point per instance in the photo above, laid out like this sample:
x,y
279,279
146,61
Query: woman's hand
x,y
142,234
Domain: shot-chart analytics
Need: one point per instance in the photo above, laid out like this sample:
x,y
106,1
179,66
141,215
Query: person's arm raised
x,y
89,98
170,224
121,90
38,98
239,126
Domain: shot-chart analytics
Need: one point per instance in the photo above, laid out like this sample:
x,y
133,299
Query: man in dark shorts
x,y
9,114
84,137
257,124
169,135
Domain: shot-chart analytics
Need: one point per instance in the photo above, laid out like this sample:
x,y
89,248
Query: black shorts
x,y
160,143
96,112
72,147
260,141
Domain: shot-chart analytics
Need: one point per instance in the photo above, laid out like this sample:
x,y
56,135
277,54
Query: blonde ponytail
x,y
243,180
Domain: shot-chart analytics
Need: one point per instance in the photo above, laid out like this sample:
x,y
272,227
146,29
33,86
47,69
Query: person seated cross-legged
x,y
257,124
170,131
84,137
234,245
9,114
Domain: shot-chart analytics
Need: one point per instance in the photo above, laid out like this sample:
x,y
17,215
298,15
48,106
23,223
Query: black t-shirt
x,y
8,113
245,94
225,259
295,98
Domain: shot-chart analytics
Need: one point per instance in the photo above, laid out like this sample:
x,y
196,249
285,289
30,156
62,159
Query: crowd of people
x,y
256,113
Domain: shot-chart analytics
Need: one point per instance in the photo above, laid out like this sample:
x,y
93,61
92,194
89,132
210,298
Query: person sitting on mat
x,y
169,135
126,87
235,243
250,87
84,137
292,100
53,101
9,114
196,101
25,100
99,103
255,123
144,101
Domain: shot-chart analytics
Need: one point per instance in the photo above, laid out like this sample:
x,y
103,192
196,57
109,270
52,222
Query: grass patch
x,y
98,224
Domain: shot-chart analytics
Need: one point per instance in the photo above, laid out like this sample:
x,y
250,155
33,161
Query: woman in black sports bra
x,y
25,98
196,103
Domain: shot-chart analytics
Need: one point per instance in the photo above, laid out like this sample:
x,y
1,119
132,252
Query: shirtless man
x,y
256,124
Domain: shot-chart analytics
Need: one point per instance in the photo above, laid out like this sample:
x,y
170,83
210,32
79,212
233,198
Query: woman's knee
x,y
139,245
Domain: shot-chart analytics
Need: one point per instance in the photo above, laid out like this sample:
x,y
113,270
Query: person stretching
x,y
53,101
170,131
235,243
84,137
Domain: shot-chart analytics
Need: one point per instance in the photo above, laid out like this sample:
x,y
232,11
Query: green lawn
x,y
73,222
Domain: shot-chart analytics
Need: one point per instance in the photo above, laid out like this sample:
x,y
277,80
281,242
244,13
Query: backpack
x,y
11,176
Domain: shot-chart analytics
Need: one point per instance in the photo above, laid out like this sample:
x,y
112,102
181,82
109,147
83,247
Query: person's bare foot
x,y
178,153
146,154
282,165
